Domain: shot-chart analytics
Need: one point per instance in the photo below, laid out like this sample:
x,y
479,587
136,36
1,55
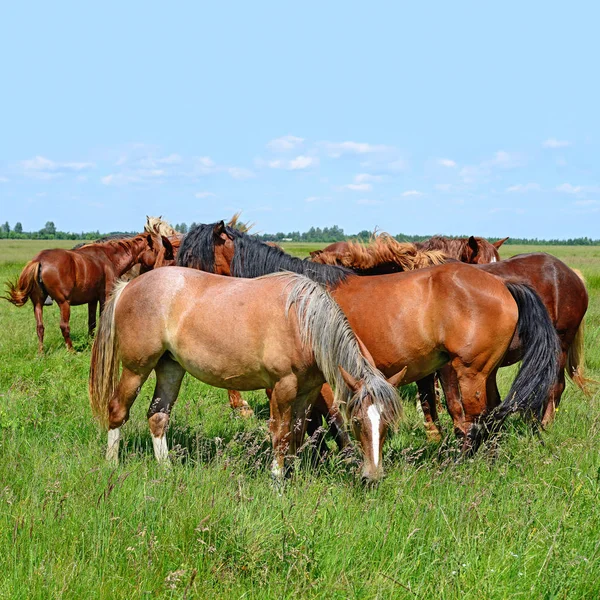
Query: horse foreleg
x,y
238,403
38,311
325,405
92,307
427,396
65,315
169,375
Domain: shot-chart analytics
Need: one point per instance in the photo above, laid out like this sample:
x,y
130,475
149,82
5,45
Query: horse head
x,y
479,251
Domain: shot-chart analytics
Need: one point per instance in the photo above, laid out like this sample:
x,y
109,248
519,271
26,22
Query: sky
x,y
474,118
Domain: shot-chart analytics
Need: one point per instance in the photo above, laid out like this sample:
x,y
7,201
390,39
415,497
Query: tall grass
x,y
520,520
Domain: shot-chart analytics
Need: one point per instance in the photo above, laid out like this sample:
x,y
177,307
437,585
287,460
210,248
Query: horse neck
x,y
124,254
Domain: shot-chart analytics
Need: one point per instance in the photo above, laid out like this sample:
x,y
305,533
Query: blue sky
x,y
428,117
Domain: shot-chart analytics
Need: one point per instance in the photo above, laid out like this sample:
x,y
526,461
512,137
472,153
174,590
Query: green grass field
x,y
520,522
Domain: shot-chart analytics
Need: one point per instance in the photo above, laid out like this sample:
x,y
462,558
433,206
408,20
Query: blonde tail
x,y
104,367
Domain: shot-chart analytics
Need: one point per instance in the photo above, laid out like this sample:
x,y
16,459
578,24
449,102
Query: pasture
x,y
521,519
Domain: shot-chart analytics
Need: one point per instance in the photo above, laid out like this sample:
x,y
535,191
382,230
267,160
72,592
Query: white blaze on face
x,y
375,418
493,259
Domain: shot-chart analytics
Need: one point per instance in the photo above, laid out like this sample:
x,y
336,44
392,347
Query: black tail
x,y
539,367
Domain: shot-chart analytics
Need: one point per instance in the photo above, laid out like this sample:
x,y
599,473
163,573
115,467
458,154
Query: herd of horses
x,y
330,337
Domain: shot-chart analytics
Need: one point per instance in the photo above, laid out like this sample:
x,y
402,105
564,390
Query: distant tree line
x,y
313,235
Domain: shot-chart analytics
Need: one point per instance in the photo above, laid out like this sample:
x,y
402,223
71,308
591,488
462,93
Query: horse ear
x,y
398,377
353,383
473,245
169,250
365,352
499,243
219,229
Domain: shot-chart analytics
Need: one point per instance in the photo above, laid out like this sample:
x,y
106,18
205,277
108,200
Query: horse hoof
x,y
433,436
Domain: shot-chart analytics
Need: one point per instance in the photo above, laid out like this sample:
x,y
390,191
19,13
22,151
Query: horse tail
x,y
104,367
325,329
576,354
19,292
539,364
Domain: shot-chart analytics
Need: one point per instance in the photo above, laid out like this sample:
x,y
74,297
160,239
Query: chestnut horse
x,y
560,288
384,254
84,275
282,332
421,319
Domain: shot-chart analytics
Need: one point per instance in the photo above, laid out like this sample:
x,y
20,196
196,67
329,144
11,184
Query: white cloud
x,y
4,179
446,162
312,199
567,188
554,143
44,168
505,160
523,187
443,187
119,179
285,143
240,173
295,164
337,149
586,202
302,162
366,177
358,187
398,165
368,202
411,193
205,195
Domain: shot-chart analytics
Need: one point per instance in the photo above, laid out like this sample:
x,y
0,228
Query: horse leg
x,y
324,407
427,396
38,311
169,375
92,306
453,401
65,315
556,392
119,406
237,402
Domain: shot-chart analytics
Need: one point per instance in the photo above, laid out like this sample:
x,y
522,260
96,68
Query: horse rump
x,y
27,285
539,366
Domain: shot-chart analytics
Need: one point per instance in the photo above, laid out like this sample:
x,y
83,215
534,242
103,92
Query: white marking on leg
x,y
161,451
112,451
375,417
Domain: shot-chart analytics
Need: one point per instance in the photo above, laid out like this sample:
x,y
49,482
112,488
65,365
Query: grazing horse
x,y
561,289
420,319
81,276
384,254
282,332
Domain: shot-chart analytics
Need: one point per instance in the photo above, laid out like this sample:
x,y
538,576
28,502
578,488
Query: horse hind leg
x,y
38,311
92,309
169,375
119,407
556,391
65,315
428,400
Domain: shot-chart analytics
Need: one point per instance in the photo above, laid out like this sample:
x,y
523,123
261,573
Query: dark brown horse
x,y
421,320
560,288
81,276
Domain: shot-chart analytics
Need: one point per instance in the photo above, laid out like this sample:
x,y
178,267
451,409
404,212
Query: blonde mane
x,y
158,226
382,249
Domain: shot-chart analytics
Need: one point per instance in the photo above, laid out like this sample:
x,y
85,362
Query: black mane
x,y
252,257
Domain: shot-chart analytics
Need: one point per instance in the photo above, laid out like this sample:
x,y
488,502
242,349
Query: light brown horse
x,y
560,288
421,319
282,332
81,276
